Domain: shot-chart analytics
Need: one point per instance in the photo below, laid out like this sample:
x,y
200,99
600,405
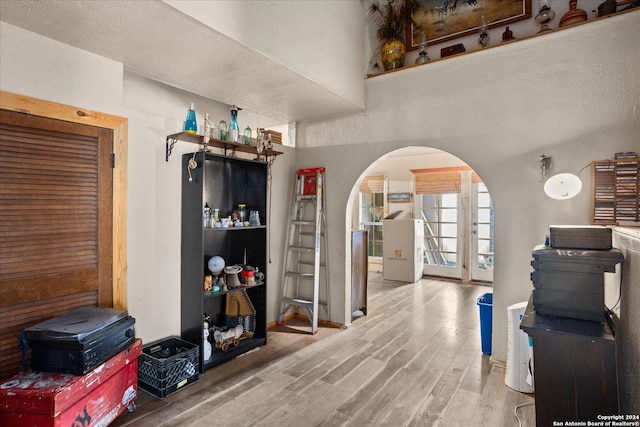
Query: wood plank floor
x,y
414,360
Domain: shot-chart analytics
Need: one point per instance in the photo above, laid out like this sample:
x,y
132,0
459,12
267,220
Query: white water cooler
x,y
518,354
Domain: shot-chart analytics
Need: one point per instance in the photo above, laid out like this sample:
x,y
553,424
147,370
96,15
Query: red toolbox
x,y
52,399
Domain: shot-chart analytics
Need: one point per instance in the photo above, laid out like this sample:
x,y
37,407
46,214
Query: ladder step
x,y
301,248
308,233
310,263
303,222
306,197
303,276
298,302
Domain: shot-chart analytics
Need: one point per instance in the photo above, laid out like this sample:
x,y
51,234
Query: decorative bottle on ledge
x,y
573,16
234,129
190,124
545,15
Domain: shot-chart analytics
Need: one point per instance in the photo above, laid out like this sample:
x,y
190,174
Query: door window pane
x,y
484,229
448,259
449,200
440,215
484,214
371,214
450,245
449,230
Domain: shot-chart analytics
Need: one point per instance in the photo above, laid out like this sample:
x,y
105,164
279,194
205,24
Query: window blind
x,y
372,184
441,180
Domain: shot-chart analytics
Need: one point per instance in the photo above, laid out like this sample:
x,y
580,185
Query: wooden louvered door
x,y
55,223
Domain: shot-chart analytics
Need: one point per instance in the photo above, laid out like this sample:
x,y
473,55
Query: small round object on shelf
x,y
216,264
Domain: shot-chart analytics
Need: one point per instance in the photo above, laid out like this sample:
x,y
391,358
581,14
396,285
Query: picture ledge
x,y
406,67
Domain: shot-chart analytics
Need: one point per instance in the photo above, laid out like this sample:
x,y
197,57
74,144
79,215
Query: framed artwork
x,y
435,21
399,197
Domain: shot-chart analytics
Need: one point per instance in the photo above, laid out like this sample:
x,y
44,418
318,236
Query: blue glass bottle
x,y
191,125
234,129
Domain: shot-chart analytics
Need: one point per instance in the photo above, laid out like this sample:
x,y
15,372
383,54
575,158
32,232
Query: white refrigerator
x,y
402,241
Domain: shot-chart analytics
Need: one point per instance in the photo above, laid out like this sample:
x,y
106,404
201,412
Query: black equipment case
x,y
570,283
580,237
79,340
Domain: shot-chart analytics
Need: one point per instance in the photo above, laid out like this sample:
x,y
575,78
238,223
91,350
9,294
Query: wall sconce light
x,y
545,165
562,186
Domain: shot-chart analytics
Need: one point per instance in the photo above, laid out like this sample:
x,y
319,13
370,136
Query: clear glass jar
x,y
254,218
242,213
222,129
206,216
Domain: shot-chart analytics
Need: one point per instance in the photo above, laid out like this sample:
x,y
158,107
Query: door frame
x,y
438,270
465,269
119,125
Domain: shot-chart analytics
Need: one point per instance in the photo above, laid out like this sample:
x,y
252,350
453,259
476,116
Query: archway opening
x,y
443,196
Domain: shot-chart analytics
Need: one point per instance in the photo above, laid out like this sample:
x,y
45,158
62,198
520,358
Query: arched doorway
x,y
441,190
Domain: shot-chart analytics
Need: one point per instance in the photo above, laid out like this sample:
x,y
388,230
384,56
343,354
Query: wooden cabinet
x,y
359,270
221,182
574,368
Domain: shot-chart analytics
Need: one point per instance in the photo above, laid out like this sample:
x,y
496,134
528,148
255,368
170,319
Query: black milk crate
x,y
167,365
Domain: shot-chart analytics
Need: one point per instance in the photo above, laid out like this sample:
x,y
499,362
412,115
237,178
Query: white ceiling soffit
x,y
156,41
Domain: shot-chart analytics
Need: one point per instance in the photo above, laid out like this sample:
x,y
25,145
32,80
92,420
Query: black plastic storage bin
x,y
167,365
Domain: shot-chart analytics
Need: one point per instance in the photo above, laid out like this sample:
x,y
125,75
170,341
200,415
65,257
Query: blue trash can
x,y
485,302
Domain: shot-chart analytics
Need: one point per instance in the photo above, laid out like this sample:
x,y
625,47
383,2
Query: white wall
x,y
572,95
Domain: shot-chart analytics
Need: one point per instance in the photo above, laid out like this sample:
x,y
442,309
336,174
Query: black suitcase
x,y
79,340
570,283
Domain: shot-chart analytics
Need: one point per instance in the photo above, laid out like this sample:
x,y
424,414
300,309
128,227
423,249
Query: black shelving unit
x,y
221,182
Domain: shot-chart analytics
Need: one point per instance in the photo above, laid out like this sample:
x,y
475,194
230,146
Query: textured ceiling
x,y
156,41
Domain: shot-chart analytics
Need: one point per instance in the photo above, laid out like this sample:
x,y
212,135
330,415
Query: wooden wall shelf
x,y
587,22
228,147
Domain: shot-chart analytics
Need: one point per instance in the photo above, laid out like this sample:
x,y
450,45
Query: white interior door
x,y
458,241
442,252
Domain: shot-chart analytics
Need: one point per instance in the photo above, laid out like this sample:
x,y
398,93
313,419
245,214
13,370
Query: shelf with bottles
x,y
238,219
229,148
